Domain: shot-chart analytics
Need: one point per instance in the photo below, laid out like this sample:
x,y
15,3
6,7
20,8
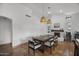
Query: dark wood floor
x,y
6,49
63,48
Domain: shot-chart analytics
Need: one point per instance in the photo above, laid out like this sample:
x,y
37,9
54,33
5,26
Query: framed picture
x,y
56,25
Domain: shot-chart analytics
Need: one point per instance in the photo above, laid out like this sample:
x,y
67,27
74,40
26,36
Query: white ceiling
x,y
56,8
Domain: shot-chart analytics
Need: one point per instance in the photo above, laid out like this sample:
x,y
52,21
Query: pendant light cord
x,y
42,10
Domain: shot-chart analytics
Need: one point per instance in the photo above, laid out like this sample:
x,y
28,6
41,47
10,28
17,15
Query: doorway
x,y
5,36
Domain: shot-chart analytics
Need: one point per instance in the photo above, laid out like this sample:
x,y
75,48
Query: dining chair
x,y
68,36
34,45
61,38
50,44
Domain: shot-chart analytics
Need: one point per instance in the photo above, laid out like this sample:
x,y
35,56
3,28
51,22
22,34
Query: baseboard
x,y
5,44
19,45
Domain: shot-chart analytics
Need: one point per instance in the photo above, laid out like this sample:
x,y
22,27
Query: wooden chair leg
x,y
43,48
28,51
34,52
50,50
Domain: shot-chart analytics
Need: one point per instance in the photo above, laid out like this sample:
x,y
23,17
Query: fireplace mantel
x,y
57,30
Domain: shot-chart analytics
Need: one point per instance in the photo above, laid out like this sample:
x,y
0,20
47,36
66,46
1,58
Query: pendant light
x,y
43,19
49,13
49,21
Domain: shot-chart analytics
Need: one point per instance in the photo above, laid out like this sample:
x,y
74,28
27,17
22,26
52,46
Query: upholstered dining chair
x,y
33,45
50,44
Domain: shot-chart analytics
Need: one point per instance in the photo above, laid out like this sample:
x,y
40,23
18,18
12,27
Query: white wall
x,y
60,18
23,27
75,22
5,31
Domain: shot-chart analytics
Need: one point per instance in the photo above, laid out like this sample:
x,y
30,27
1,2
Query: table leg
x,y
43,47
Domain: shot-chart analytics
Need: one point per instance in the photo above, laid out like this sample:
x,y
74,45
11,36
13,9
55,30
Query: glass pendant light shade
x,y
49,21
43,20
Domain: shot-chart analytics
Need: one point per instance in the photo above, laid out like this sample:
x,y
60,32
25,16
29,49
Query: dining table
x,y
42,39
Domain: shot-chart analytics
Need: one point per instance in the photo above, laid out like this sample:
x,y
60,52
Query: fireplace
x,y
57,34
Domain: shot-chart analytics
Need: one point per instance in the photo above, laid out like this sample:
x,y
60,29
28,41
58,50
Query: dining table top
x,y
43,38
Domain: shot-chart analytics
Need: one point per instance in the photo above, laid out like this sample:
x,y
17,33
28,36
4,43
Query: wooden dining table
x,y
43,39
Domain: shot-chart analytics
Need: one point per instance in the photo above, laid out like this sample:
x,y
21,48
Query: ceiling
x,y
41,9
55,8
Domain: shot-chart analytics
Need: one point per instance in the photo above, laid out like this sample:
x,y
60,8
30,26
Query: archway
x,y
5,36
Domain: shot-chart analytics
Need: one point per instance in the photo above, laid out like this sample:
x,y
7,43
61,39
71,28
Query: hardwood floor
x,y
63,48
21,50
6,49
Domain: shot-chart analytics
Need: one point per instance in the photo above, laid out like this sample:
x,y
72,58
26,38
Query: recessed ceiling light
x,y
61,11
49,12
